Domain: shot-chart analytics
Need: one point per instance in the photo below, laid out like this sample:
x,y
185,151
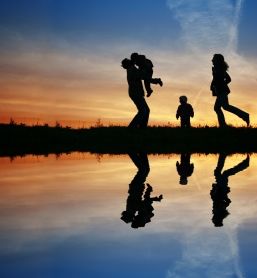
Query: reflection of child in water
x,y
146,67
185,169
184,112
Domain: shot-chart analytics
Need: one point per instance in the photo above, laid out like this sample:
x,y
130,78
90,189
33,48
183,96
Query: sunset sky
x,y
60,59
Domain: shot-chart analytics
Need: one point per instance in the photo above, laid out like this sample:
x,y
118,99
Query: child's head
x,y
137,59
134,57
183,99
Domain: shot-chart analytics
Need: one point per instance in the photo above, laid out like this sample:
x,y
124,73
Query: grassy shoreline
x,y
21,139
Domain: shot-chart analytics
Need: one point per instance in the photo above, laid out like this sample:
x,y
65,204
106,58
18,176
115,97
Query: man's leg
x,y
142,117
136,120
143,111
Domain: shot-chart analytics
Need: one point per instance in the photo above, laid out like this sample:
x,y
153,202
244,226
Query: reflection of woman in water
x,y
220,189
220,89
139,209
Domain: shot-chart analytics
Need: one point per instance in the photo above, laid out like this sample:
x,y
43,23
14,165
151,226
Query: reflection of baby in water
x,y
185,169
220,189
139,209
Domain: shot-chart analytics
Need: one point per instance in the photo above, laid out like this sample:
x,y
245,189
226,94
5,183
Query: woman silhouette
x,y
220,89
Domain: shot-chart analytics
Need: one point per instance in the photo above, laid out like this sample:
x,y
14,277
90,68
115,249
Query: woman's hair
x,y
219,61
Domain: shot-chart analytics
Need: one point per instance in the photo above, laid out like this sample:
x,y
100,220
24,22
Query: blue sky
x,y
120,18
146,20
247,29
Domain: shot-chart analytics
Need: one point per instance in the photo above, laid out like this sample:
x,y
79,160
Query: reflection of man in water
x,y
220,189
185,168
139,210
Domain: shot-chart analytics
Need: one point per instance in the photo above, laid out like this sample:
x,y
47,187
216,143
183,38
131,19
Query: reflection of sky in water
x,y
61,218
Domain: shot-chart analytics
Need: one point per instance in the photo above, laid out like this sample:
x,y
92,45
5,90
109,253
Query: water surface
x,y
83,215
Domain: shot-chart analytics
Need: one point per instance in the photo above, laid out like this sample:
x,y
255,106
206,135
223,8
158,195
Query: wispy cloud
x,y
199,258
208,25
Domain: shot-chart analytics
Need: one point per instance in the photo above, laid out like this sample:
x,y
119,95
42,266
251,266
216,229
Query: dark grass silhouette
x,y
21,139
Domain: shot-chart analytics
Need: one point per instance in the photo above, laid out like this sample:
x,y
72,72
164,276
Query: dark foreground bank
x,y
21,140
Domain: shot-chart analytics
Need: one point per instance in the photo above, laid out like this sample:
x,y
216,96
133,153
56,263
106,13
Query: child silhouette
x,y
146,67
184,112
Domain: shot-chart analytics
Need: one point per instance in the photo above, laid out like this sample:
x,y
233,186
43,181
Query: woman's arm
x,y
227,78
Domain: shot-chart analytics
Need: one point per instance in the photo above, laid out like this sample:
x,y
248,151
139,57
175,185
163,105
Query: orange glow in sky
x,y
77,81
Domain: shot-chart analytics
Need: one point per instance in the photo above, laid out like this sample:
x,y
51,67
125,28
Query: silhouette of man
x,y
145,210
136,93
185,169
139,209
220,189
146,67
184,112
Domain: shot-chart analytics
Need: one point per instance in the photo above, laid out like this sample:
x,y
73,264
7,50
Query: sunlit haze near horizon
x,y
60,60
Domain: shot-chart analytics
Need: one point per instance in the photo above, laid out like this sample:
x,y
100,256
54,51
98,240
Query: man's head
x,y
126,63
127,216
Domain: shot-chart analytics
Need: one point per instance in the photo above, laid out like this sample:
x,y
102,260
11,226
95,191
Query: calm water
x,y
82,215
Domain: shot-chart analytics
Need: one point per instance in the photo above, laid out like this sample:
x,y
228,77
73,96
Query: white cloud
x,y
215,256
208,25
